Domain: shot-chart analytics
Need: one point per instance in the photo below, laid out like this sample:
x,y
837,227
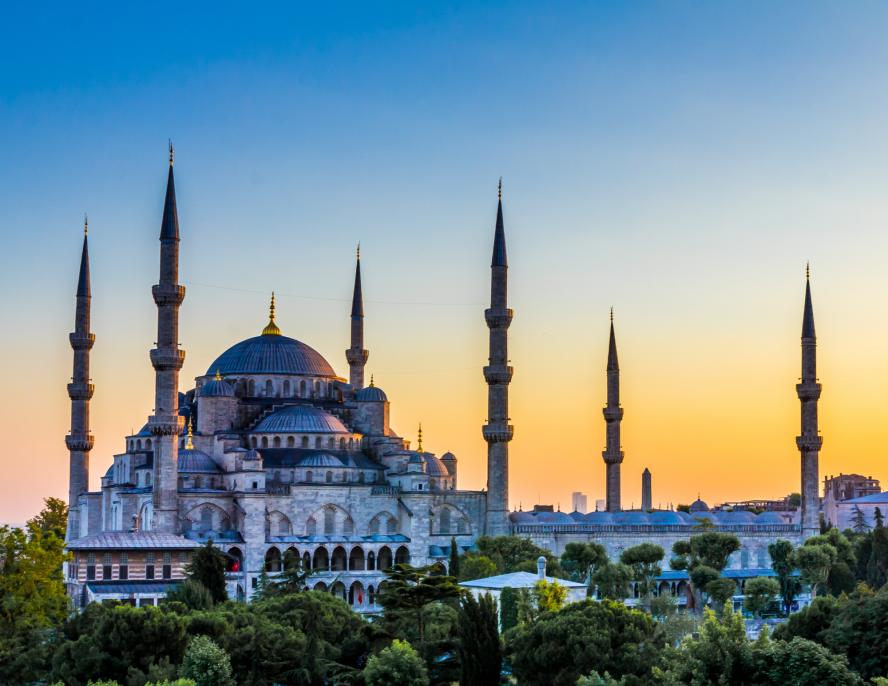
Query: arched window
x,y
213,483
331,443
253,442
148,479
356,559
273,560
342,444
329,521
182,443
181,482
445,521
251,388
287,388
305,441
291,442
206,519
147,444
321,558
340,559
265,441
361,477
318,442
384,559
308,475
462,527
391,526
762,558
302,389
311,528
131,446
348,527
374,526
284,527
330,390
351,443
139,444
269,388
744,558
318,389
277,441
371,561
402,556
329,477
198,482
306,560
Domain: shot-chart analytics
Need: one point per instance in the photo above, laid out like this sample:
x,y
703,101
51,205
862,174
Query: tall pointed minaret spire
x,y
167,358
810,442
356,355
498,432
613,415
80,390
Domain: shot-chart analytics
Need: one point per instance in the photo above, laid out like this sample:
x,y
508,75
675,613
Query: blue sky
x,y
680,161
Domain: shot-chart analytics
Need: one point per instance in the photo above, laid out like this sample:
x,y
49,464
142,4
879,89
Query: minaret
x,y
613,415
809,442
80,390
166,424
498,432
356,355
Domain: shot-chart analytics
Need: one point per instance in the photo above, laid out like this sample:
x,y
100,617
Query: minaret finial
x,y
171,153
218,377
85,225
501,188
808,271
272,328
372,385
612,315
419,449
359,250
189,445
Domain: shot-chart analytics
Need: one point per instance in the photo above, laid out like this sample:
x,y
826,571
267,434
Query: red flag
x,y
236,566
360,598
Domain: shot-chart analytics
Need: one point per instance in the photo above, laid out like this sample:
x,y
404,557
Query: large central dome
x,y
271,354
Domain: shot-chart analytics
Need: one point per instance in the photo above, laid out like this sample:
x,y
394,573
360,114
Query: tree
x,y
480,651
612,581
809,622
780,552
795,499
801,663
760,591
454,559
193,594
709,549
543,597
841,578
644,559
877,567
514,554
859,631
580,560
815,563
206,664
473,568
207,567
584,637
508,608
858,521
880,520
683,508
721,590
53,517
702,579
398,665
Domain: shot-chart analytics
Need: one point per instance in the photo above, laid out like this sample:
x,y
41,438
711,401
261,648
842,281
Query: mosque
x,y
271,450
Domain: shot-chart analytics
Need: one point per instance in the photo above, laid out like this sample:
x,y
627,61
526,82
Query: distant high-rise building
x,y
579,503
600,505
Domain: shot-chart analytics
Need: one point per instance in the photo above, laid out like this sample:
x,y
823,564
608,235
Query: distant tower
x,y
80,391
166,424
809,442
356,355
498,432
613,415
646,490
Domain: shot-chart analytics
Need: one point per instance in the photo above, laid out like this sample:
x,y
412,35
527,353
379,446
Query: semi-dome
x,y
577,516
688,518
698,506
271,354
667,518
302,418
320,460
554,518
371,394
192,460
632,518
769,518
521,518
217,388
600,517
434,466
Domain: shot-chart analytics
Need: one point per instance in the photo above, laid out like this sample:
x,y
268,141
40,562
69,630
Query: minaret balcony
x,y
498,319
498,374
166,425
81,391
167,359
168,294
809,443
613,414
79,442
809,390
356,356
82,341
612,457
498,434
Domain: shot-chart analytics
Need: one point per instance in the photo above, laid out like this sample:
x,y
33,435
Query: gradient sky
x,y
679,161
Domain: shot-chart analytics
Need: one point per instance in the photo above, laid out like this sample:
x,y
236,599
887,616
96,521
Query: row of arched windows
x,y
303,441
137,444
345,476
303,389
340,560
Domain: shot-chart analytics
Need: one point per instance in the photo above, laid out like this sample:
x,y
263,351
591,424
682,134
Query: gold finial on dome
x,y
85,225
419,449
189,446
359,250
271,329
808,271
612,315
372,385
171,152
501,188
218,378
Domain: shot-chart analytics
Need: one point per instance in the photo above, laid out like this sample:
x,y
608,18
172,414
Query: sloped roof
x,y
122,540
517,580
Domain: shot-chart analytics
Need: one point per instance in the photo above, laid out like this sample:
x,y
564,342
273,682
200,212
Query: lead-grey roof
x,y
517,580
874,498
217,388
303,419
273,458
371,394
120,587
122,540
192,460
271,354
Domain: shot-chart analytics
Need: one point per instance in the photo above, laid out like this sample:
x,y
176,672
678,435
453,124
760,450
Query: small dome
x,y
554,518
769,518
668,518
577,516
416,457
448,456
632,518
737,517
699,506
320,460
521,518
302,418
601,518
217,388
371,394
191,460
434,466
688,518
110,473
252,455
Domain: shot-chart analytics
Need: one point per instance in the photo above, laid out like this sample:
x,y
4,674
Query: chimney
x,y
541,568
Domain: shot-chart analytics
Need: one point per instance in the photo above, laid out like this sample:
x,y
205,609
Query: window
x,y
329,521
419,487
331,443
269,388
461,526
348,527
106,566
287,388
255,582
302,389
182,443
265,441
277,441
318,442
744,558
147,444
149,566
308,475
123,569
445,521
253,442
361,477
167,566
374,526
318,389
251,388
283,527
206,520
311,528
305,441
255,485
342,444
291,442
183,558
329,476
91,567
345,476
391,526
139,444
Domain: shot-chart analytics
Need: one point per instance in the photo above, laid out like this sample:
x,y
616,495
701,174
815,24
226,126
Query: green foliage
x,y
809,622
858,521
580,560
879,517
612,581
877,567
398,665
704,556
683,508
542,597
795,499
508,608
760,591
815,564
33,602
513,554
644,560
720,590
264,588
780,552
53,517
192,594
479,567
863,550
584,637
801,663
480,649
595,680
860,631
701,578
206,664
207,567
454,559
